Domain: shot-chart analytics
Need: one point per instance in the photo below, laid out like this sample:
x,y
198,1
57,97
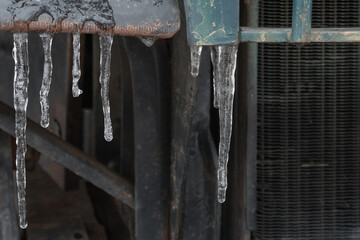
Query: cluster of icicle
x,y
21,81
223,58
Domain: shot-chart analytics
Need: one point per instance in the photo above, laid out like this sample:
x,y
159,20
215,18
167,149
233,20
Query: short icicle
x,y
105,60
76,71
47,77
223,58
195,54
21,81
148,41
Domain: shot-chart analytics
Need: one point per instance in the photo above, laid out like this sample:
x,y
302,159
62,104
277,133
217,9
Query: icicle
x,y
76,71
216,61
148,41
21,81
105,59
47,77
223,58
195,59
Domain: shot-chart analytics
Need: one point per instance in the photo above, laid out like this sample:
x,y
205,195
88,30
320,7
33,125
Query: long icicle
x,y
21,81
105,60
195,55
76,71
47,77
223,58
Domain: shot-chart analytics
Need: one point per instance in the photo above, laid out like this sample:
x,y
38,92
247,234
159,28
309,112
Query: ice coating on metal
x,y
148,41
105,60
46,81
98,11
21,82
195,54
223,58
76,71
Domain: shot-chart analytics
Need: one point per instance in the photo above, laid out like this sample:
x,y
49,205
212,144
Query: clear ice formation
x,y
105,60
46,81
21,82
148,41
76,71
223,58
195,53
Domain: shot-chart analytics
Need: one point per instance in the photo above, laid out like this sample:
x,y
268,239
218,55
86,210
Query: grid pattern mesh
x,y
308,164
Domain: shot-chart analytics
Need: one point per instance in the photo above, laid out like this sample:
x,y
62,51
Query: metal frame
x,y
301,31
71,158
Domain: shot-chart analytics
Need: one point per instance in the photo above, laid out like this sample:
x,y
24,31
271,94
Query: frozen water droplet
x,y
76,71
47,77
148,41
223,58
195,53
21,82
105,60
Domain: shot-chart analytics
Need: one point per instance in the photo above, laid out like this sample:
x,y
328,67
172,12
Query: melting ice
x,y
223,58
21,81
148,41
105,59
47,77
195,53
76,71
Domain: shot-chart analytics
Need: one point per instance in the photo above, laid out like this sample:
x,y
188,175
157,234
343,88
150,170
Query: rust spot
x,y
155,29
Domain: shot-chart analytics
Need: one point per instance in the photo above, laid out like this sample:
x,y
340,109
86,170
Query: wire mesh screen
x,y
308,166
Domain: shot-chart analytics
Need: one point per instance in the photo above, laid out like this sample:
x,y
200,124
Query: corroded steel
x,y
212,22
129,18
249,34
301,21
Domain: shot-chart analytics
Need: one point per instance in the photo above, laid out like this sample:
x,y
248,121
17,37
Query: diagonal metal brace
x,y
70,157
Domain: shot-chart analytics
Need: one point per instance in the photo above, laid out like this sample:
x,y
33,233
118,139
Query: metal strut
x,y
70,157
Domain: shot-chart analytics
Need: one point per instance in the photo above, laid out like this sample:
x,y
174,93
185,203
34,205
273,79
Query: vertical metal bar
x,y
251,136
150,86
301,21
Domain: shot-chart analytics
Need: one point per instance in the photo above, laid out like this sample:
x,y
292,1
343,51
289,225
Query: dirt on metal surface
x,y
128,18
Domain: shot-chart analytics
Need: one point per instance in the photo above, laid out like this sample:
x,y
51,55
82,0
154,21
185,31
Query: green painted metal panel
x,y
212,22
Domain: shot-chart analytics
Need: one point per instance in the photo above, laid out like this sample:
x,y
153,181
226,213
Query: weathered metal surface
x,y
212,22
130,18
251,71
149,69
8,215
62,230
57,214
70,157
276,35
301,21
194,213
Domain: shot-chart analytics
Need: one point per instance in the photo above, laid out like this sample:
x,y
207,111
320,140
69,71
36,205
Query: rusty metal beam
x,y
129,18
70,157
276,35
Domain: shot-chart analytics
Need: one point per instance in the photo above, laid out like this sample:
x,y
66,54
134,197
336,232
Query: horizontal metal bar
x,y
140,18
276,35
160,30
70,157
301,21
